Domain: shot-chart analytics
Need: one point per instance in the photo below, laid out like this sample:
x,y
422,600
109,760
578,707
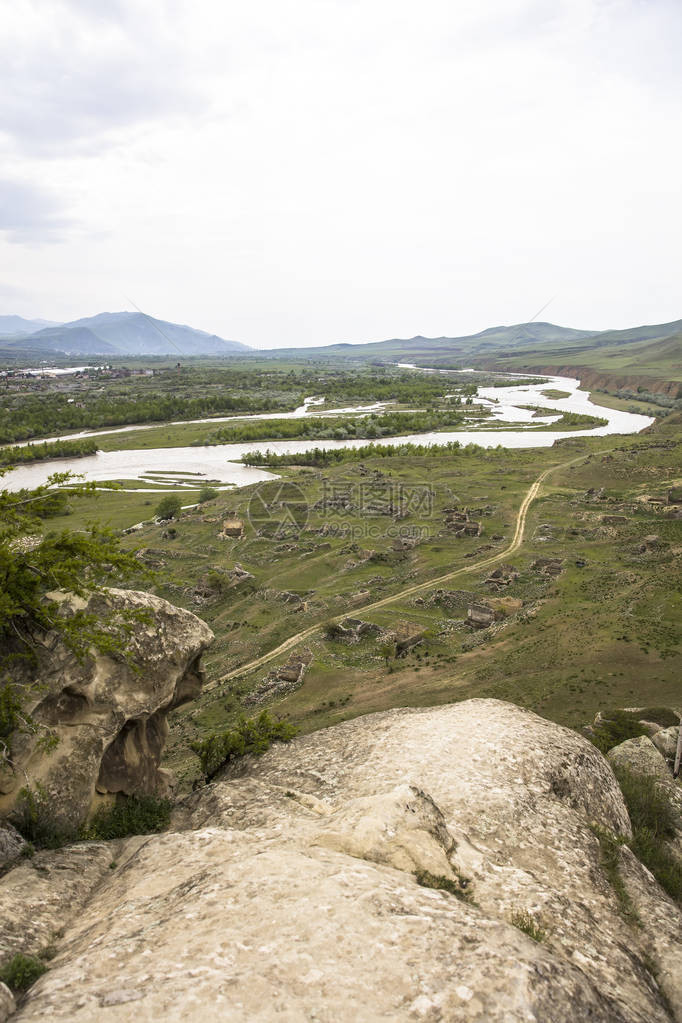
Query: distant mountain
x,y
14,326
493,339
120,334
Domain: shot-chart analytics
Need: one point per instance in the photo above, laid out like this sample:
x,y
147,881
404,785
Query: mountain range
x,y
651,351
109,334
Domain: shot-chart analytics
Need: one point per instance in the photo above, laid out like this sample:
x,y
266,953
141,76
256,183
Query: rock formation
x,y
287,889
108,714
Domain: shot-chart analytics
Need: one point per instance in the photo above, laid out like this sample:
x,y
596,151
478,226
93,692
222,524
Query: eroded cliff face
x,y
108,715
594,379
286,890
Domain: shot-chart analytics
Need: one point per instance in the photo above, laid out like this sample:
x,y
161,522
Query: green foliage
x,y
459,887
33,818
647,802
131,815
609,861
252,735
616,727
169,507
21,972
51,449
653,823
321,457
386,424
10,710
525,922
207,494
34,562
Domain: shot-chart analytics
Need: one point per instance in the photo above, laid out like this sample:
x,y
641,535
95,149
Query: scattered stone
x,y
503,575
548,566
352,630
239,575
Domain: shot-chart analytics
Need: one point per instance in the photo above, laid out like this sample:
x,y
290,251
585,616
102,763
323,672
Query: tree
x,y
34,561
207,494
387,651
169,507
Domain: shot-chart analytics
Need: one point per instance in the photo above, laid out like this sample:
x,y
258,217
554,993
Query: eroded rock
x,y
288,890
108,715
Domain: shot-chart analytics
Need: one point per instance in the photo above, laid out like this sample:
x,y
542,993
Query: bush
x,y
207,494
131,815
253,735
619,726
21,972
33,818
169,507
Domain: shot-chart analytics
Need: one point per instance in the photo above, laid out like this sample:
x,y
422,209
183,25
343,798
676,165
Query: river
x,y
189,467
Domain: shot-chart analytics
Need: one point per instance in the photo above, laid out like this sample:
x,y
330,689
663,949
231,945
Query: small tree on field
x,y
207,494
387,651
169,507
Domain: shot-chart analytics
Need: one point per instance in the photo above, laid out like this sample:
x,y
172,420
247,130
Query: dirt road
x,y
409,591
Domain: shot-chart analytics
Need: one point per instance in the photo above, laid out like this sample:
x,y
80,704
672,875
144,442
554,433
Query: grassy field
x,y
605,631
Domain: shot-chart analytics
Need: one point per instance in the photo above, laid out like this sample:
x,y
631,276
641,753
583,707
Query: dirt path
x,y
409,591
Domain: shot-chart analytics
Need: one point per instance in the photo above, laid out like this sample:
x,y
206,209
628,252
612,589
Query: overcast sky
x,y
297,172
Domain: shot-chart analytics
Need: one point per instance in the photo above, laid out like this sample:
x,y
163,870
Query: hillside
x,y
12,326
610,360
121,334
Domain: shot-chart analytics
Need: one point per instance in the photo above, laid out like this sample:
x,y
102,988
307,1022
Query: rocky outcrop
x,y
107,713
288,889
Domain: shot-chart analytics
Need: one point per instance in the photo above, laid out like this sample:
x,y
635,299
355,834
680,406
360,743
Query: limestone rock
x,y
108,714
11,843
665,741
7,1005
640,756
287,891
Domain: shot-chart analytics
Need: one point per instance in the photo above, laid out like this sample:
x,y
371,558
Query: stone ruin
x,y
282,680
548,566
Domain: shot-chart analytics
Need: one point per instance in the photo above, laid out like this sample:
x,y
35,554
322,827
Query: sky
x,y
303,172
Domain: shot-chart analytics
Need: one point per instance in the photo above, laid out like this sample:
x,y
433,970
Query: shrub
x,y
619,726
169,507
253,735
207,494
129,815
34,819
21,972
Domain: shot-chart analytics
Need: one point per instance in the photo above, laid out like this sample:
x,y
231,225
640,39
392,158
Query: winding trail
x,y
409,591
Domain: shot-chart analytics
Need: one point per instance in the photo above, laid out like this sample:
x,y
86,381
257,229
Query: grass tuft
x,y
525,922
459,887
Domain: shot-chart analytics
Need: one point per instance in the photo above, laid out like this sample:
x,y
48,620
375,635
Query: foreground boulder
x,y
289,889
107,714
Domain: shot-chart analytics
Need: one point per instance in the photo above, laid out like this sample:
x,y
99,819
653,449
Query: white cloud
x,y
305,171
